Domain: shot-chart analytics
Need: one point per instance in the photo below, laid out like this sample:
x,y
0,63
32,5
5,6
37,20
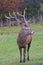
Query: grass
x,y
9,52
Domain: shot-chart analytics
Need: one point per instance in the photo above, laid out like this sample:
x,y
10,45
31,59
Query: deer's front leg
x,y
24,53
28,52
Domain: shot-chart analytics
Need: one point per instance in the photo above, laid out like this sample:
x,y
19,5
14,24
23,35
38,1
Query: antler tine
x,y
19,14
24,18
7,17
14,13
26,22
11,15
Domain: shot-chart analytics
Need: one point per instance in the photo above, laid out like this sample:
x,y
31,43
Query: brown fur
x,y
24,38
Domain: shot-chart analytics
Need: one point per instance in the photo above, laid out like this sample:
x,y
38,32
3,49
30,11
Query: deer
x,y
24,38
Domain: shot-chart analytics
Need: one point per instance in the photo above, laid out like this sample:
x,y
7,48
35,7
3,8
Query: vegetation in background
x,y
7,5
10,5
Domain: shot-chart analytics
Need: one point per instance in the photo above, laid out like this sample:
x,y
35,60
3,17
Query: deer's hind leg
x,y
28,51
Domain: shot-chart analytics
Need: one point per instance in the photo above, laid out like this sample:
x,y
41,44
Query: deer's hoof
x,y
23,61
28,59
20,61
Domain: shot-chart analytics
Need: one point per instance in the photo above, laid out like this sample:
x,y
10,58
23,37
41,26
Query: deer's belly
x,y
28,39
24,41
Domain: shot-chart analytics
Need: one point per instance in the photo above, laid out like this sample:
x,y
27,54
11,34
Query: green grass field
x,y
9,52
